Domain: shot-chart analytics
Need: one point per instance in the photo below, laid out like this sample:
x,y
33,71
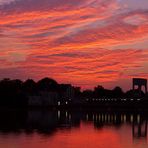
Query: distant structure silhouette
x,y
49,93
140,82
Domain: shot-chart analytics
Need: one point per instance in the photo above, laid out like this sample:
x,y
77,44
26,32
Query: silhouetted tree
x,y
11,93
134,93
47,84
29,86
100,91
87,93
117,92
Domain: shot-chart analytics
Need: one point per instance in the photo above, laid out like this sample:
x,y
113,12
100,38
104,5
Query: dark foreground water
x,y
73,129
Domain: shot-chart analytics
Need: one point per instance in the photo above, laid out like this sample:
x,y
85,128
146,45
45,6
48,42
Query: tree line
x,y
16,92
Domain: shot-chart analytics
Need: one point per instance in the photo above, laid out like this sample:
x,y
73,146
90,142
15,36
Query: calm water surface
x,y
72,129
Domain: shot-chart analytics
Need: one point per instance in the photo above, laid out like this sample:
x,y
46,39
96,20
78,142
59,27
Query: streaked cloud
x,y
4,2
73,41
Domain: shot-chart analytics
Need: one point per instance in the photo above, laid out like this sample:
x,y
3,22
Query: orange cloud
x,y
72,41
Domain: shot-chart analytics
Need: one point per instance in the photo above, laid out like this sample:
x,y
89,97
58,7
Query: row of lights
x,y
109,118
59,103
112,99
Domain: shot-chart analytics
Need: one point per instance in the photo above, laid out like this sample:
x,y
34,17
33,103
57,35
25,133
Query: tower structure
x,y
140,82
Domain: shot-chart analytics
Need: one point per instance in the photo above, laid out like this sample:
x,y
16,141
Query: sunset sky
x,y
83,42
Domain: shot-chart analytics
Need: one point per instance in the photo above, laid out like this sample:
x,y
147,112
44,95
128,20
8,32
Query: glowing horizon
x,y
83,42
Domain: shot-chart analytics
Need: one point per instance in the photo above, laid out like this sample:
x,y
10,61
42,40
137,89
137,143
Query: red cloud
x,y
71,42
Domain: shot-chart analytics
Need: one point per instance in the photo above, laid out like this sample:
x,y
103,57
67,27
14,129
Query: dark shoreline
x,y
103,108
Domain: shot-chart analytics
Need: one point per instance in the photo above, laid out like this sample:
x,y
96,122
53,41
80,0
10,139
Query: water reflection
x,y
49,121
76,125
